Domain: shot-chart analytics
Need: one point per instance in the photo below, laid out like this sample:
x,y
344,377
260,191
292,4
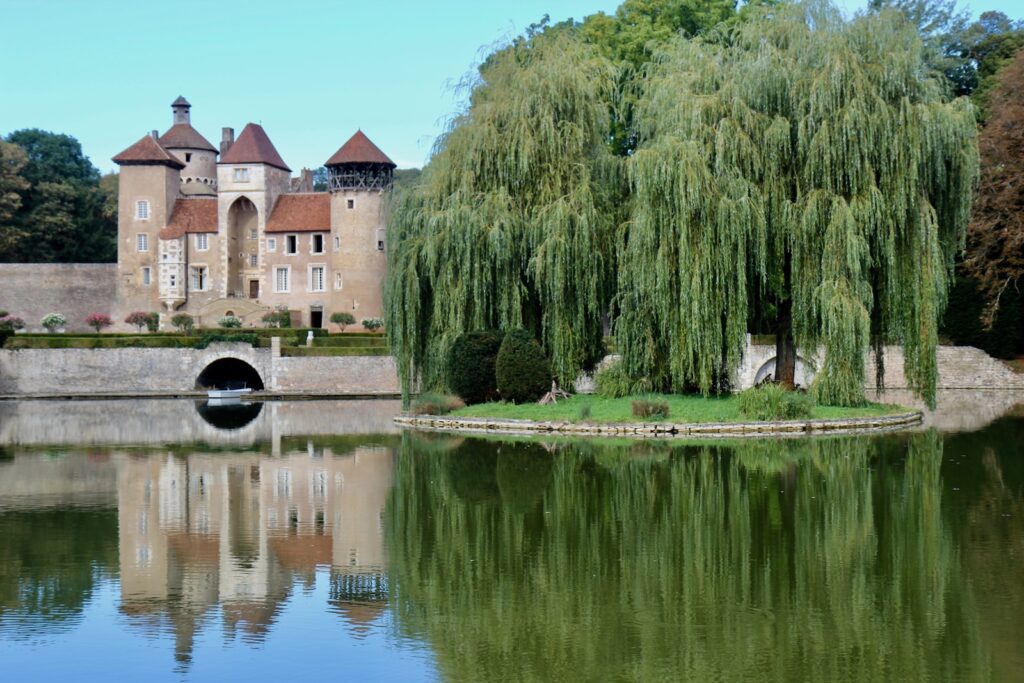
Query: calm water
x,y
161,540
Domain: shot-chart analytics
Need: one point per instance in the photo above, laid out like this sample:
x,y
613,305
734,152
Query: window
x,y
380,240
281,274
147,275
173,281
337,280
253,260
291,244
271,244
188,157
200,278
253,234
337,243
142,210
202,242
350,203
142,242
316,278
318,243
241,175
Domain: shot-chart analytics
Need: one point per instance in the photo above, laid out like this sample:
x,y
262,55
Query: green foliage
x,y
613,381
184,322
964,325
280,317
435,404
373,324
11,323
335,351
471,372
342,320
153,321
53,321
647,408
238,337
53,205
106,341
771,401
230,322
522,371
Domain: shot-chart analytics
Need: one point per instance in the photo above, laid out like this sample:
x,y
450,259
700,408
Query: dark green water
x,y
267,553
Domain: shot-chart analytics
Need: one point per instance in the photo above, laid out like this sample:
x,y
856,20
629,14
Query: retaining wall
x,y
32,290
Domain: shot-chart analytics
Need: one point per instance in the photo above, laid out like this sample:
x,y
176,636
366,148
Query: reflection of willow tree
x,y
50,563
704,563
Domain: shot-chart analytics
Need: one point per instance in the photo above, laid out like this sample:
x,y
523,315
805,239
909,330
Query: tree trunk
x,y
785,348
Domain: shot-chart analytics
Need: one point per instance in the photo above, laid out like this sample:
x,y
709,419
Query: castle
x,y
238,235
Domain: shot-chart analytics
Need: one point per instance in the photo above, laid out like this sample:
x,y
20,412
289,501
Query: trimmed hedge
x,y
100,341
347,340
335,351
471,366
522,370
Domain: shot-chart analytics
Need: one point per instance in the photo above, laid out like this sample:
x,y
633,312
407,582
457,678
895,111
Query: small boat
x,y
227,393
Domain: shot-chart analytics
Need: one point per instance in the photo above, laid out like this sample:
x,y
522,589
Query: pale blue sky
x,y
311,72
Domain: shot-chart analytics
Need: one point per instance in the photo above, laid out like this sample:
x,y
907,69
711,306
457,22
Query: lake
x,y
173,540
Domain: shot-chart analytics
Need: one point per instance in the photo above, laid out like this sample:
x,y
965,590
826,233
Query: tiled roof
x,y
147,151
301,213
359,150
180,102
184,136
254,147
191,215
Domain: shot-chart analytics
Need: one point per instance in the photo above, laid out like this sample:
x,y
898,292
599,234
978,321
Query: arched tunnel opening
x,y
229,373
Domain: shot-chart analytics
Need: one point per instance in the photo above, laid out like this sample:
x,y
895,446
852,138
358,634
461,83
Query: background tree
x,y
12,182
806,161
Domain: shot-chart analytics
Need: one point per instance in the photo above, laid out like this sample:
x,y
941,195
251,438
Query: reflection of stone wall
x,y
34,481
957,410
31,290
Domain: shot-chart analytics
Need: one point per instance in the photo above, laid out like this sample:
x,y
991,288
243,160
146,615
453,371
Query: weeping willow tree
x,y
801,162
512,222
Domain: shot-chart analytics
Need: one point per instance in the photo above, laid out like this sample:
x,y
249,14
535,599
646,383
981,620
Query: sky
x,y
311,72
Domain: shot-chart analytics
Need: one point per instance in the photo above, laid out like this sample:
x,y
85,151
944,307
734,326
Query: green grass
x,y
681,409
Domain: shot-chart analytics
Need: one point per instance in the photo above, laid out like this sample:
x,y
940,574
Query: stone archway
x,y
229,373
243,223
802,377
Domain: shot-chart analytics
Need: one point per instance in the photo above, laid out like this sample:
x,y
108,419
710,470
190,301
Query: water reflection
x,y
228,414
431,556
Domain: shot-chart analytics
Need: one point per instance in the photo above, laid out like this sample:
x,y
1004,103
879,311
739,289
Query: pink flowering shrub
x,y
98,321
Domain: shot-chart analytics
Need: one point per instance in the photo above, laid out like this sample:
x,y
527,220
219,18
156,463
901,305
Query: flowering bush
x,y
373,324
230,321
53,322
184,322
10,323
137,318
98,321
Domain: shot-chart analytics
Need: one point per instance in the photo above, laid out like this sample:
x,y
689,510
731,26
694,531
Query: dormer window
x,y
241,175
142,210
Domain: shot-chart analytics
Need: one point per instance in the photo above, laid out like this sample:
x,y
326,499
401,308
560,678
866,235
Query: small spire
x,y
180,107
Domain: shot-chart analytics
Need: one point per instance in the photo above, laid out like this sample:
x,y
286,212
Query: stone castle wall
x,y
32,290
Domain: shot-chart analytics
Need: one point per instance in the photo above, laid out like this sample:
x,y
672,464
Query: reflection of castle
x,y
239,530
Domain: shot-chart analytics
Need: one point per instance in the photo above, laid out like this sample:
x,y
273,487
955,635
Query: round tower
x,y
199,177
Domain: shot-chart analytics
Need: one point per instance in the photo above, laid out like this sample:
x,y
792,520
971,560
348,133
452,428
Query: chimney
x,y
154,134
227,138
306,180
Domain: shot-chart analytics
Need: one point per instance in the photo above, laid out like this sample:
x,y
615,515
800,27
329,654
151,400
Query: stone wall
x,y
145,371
32,290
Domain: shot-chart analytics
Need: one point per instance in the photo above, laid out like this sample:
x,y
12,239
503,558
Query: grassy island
x,y
682,409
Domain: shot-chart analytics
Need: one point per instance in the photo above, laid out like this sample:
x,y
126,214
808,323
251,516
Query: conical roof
x,y
253,146
147,151
180,102
359,150
184,136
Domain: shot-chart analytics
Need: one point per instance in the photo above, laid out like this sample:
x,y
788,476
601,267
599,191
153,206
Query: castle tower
x,y
250,177
359,175
199,177
147,191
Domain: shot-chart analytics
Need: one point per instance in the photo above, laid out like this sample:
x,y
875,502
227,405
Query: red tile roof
x,y
184,136
254,147
191,215
301,213
359,150
147,151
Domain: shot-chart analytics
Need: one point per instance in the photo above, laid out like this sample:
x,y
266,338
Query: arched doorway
x,y
229,373
243,242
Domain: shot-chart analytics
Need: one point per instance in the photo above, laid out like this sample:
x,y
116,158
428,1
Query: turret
x,y
359,165
199,177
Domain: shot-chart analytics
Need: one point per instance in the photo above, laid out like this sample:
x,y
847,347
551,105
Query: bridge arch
x,y
229,373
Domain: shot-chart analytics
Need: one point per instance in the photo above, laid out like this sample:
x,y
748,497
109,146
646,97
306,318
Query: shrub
x,y
521,369
137,318
230,322
613,381
3,313
435,404
98,321
647,408
279,317
153,321
342,320
10,323
771,401
184,322
53,322
471,366
373,324
211,337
